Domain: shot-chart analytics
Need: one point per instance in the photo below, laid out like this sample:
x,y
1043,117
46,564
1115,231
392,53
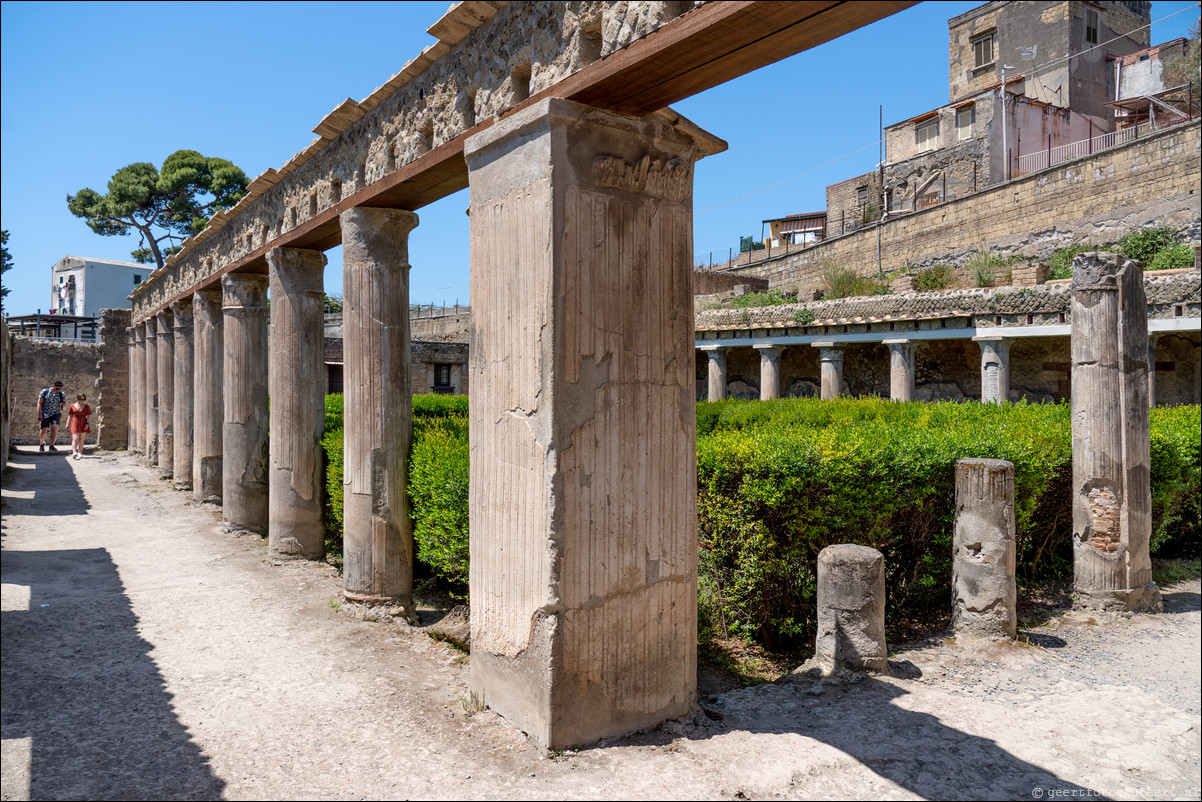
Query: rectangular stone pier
x,y
583,475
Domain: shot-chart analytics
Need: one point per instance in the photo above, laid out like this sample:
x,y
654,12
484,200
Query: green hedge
x,y
780,480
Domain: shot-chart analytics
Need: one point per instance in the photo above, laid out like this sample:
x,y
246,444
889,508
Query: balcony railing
x,y
1050,157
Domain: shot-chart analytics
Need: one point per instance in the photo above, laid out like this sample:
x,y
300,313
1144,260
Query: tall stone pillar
x,y
181,464
1152,343
137,388
983,552
294,526
995,369
769,371
166,374
1112,496
244,434
716,372
901,369
208,402
377,540
583,510
830,357
112,401
150,376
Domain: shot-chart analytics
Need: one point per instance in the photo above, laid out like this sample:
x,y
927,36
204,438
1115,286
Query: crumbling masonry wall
x,y
37,363
111,426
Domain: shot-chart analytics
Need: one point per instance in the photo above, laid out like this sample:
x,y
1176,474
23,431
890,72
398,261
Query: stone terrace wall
x,y
473,73
1153,180
37,363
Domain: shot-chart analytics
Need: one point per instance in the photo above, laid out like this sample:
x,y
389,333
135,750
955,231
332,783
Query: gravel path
x,y
147,655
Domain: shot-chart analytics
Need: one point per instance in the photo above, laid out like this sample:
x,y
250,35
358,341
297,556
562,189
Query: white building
x,y
82,287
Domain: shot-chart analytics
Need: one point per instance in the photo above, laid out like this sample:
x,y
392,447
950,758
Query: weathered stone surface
x,y
184,419
38,362
770,371
244,433
110,401
851,610
995,369
983,553
715,374
1112,496
137,388
150,383
583,512
294,527
377,533
455,627
901,369
208,403
830,356
166,378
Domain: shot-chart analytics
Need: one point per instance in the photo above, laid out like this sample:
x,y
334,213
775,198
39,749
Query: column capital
x,y
377,237
243,291
768,348
182,313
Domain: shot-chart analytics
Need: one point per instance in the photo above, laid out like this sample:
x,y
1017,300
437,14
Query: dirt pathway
x,y
147,655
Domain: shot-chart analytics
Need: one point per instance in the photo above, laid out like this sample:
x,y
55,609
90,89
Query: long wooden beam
x,y
710,45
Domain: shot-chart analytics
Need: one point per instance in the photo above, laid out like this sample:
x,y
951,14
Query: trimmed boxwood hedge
x,y
780,480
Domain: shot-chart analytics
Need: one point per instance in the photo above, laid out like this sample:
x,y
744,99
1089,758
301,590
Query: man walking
x,y
50,413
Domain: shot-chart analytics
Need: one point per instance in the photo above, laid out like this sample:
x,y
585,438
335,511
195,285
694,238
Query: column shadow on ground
x,y
78,681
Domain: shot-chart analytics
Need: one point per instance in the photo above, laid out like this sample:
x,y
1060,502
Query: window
x,y
965,117
1091,26
982,51
861,196
137,279
926,135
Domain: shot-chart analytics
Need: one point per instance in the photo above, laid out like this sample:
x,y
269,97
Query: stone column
x,y
583,490
294,525
851,610
1152,342
208,402
183,424
995,369
150,376
112,401
901,369
1112,496
716,375
377,539
830,354
137,388
769,371
166,375
983,555
244,433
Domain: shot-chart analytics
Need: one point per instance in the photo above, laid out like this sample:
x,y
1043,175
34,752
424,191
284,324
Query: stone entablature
x,y
1174,294
490,57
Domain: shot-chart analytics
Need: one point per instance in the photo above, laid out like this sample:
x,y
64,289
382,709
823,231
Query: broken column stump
x,y
983,552
1112,495
851,610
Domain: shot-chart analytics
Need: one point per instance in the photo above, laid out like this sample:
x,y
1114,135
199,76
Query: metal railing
x,y
1050,157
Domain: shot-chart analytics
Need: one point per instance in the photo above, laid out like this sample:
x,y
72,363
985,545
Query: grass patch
x,y
1170,572
754,299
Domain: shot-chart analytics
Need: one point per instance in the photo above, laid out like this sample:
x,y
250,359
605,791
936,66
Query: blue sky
x,y
90,87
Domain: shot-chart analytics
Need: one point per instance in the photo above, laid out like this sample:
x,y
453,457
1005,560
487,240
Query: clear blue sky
x,y
90,87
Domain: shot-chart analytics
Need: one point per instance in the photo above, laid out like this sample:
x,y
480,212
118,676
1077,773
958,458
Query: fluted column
x,y
1112,495
995,369
830,357
901,369
150,377
294,526
1152,343
181,465
208,403
244,434
377,548
166,374
715,372
770,371
137,388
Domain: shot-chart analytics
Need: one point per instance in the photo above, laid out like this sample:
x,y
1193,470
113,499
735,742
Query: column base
x,y
1144,599
388,607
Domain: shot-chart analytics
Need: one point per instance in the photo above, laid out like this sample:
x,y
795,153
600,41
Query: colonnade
x,y
583,527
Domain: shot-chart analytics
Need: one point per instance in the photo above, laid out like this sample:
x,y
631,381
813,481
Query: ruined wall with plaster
x,y
6,395
36,365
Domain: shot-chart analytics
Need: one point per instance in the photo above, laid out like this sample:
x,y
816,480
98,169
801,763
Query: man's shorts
x,y
52,420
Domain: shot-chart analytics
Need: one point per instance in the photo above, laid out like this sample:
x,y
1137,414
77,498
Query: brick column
x,y
995,369
150,383
112,401
294,526
1112,495
166,377
137,388
830,355
770,371
377,536
901,369
715,372
208,400
181,463
583,511
244,433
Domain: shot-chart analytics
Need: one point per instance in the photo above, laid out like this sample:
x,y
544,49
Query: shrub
x,y
1173,257
1145,243
803,317
438,491
766,298
844,282
936,277
987,266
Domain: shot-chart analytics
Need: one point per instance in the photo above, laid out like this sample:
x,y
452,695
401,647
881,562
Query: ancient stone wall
x,y
111,427
445,328
707,282
6,396
38,363
1151,181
